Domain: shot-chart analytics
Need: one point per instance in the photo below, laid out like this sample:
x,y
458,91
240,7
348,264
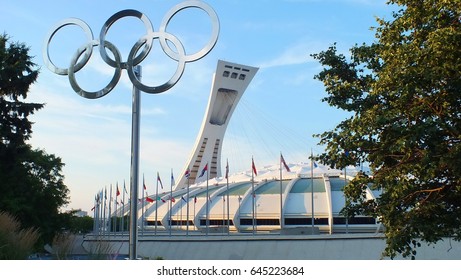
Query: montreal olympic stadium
x,y
284,211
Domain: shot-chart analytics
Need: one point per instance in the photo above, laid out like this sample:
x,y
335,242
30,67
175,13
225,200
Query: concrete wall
x,y
270,247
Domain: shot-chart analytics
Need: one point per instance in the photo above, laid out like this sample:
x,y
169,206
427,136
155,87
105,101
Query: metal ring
x,y
135,56
179,70
110,86
112,20
89,35
214,34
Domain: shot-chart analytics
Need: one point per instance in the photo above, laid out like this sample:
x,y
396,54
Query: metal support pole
x,y
134,168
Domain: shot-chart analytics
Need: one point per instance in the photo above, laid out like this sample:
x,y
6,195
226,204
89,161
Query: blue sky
x,y
279,112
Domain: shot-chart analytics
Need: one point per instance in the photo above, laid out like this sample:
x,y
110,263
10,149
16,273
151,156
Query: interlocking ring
x,y
138,53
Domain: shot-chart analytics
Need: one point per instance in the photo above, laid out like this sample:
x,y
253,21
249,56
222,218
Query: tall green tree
x,y
403,93
31,181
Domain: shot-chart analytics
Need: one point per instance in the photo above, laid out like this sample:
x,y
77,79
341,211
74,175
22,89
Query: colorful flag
x,y
203,171
187,173
284,163
163,200
195,199
118,191
159,180
148,199
143,183
172,199
315,165
254,167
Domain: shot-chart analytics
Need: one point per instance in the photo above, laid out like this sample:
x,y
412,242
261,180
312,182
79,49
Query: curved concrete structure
x,y
229,83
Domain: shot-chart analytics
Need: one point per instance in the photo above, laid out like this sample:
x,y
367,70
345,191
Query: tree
x,y
31,181
403,93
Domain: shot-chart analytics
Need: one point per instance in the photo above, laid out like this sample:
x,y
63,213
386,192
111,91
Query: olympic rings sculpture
x,y
138,53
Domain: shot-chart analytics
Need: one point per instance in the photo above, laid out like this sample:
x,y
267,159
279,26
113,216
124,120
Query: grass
x,y
16,243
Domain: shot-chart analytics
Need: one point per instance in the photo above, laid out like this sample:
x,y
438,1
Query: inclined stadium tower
x,y
305,197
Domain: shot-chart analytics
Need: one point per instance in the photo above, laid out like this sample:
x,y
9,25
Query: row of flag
x,y
187,175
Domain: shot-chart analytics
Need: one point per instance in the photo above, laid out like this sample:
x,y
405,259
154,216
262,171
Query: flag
x,y
172,179
254,167
105,193
148,199
118,191
163,200
172,199
92,209
182,197
195,199
187,173
159,180
203,171
124,187
209,198
284,163
227,169
315,165
143,183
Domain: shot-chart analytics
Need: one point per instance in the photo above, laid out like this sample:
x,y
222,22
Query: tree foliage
x,y
404,95
31,182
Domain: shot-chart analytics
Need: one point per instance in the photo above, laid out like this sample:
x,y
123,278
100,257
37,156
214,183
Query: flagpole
x,y
253,194
207,201
312,190
123,208
187,219
101,206
281,206
180,214
156,205
95,209
223,211
142,205
104,216
171,203
195,201
227,184
110,210
347,219
115,211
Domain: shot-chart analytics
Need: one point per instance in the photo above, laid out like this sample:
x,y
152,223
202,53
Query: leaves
x,y
404,93
32,185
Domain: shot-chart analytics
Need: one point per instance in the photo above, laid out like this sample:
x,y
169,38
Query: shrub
x,y
16,243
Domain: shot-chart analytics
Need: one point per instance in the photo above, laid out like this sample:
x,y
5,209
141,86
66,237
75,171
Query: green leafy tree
x,y
31,181
403,93
81,225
